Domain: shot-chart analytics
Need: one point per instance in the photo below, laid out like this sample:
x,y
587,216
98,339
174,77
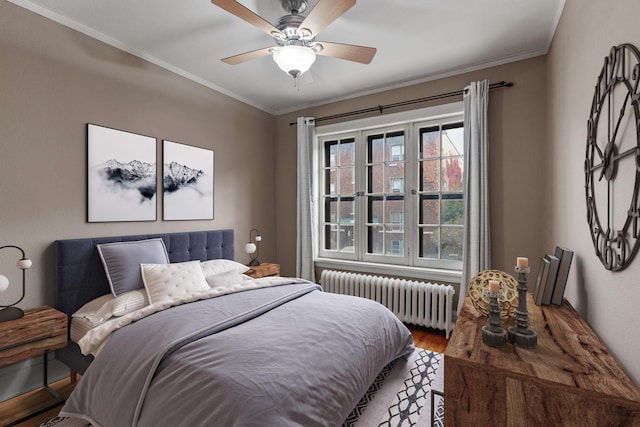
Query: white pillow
x,y
166,282
215,267
225,279
101,309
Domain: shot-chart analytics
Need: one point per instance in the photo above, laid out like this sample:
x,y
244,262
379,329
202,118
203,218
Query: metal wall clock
x,y
612,163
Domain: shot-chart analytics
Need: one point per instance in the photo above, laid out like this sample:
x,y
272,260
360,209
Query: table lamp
x,y
9,312
253,248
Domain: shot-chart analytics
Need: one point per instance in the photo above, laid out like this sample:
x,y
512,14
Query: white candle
x,y
494,286
522,262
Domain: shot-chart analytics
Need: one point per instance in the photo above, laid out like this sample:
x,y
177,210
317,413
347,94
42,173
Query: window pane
x,y
395,178
396,244
452,243
331,177
452,174
347,180
331,210
452,211
429,174
376,149
395,147
429,210
394,207
376,179
375,239
429,242
347,211
330,149
375,213
347,153
330,237
453,140
346,238
429,143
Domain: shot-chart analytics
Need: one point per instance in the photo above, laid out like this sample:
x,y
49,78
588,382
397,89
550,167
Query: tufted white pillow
x,y
166,282
225,279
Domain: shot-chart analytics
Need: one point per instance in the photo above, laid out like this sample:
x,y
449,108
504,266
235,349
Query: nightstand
x,y
265,269
41,330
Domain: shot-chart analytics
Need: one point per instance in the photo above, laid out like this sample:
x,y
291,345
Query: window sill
x,y
421,273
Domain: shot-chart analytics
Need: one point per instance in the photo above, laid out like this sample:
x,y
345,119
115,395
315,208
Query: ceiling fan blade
x,y
247,15
350,52
247,56
324,13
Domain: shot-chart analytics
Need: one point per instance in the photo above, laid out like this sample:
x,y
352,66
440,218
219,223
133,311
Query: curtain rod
x,y
381,108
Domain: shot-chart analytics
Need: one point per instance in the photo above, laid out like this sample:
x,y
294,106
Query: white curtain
x,y
306,200
476,239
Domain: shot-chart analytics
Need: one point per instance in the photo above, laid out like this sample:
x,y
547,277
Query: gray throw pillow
x,y
121,261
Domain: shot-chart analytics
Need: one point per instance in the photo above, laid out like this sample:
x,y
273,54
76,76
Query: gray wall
x,y
53,81
607,300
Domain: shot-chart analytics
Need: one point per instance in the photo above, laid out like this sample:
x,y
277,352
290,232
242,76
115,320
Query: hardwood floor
x,y
16,408
429,339
21,406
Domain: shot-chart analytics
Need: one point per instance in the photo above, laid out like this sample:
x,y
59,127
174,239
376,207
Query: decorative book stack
x,y
552,277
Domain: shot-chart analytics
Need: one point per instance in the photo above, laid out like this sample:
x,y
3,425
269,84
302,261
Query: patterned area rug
x,y
406,393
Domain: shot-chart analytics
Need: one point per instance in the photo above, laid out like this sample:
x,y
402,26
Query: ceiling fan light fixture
x,y
294,60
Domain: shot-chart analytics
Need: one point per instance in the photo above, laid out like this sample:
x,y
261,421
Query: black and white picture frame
x,y
121,175
187,182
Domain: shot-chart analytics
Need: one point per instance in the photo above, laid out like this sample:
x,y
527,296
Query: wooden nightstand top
x,y
265,269
41,330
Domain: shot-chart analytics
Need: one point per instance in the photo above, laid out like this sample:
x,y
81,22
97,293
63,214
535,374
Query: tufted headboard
x,y
80,276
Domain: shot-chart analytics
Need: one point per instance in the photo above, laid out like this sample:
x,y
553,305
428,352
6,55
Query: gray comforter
x,y
288,355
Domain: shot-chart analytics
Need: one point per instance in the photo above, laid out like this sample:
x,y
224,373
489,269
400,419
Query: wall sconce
x,y
252,248
9,312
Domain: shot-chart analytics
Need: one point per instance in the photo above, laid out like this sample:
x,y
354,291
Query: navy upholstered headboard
x,y
80,276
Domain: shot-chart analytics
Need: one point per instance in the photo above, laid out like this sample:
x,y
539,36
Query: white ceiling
x,y
417,40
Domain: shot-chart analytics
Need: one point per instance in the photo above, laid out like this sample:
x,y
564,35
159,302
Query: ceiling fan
x,y
295,35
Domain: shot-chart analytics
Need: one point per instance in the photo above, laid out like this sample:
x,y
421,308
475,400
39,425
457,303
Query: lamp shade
x,y
24,263
4,283
294,60
250,248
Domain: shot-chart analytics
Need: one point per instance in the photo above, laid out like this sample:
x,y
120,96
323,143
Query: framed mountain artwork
x,y
187,179
121,175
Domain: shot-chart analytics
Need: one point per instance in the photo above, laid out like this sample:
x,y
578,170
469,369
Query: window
x,y
440,194
378,205
339,195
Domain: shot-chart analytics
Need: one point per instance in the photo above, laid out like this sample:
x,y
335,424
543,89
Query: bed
x,y
269,351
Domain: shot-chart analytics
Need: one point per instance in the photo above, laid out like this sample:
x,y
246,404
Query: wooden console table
x,y
570,378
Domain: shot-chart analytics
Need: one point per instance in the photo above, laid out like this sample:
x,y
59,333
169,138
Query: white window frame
x,y
412,265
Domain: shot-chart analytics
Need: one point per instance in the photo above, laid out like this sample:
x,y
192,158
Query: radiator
x,y
414,302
